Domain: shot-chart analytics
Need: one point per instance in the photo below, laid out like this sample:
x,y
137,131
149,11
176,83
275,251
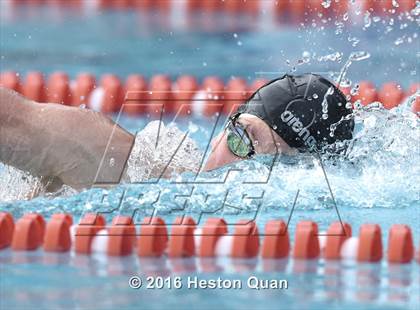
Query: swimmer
x,y
66,145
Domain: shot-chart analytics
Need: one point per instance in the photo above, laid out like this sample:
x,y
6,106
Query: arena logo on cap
x,y
296,124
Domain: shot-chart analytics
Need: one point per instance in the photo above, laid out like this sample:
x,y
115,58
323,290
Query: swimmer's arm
x,y
78,146
14,140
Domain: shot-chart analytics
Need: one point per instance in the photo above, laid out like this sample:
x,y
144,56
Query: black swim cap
x,y
306,111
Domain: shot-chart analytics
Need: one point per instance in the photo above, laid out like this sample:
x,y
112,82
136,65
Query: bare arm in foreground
x,y
74,146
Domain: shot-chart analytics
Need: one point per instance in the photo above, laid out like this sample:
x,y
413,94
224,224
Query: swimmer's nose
x,y
220,154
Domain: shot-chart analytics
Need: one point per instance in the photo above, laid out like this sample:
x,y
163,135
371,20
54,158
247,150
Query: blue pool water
x,y
64,280
377,183
132,42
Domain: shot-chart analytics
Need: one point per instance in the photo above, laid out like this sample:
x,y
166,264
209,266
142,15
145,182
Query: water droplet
x,y
357,56
306,54
337,56
399,41
315,96
326,3
346,16
355,90
367,20
112,162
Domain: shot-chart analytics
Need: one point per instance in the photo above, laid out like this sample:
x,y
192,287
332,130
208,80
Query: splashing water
x,y
337,56
378,169
324,103
18,185
326,3
354,56
367,20
170,152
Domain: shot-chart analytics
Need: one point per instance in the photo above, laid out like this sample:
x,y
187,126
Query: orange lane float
x,y
122,236
181,242
213,229
10,79
400,244
135,101
89,225
213,89
370,243
281,7
236,93
58,88
246,242
296,9
153,238
162,5
40,219
84,85
212,240
385,7
34,87
57,233
241,6
336,235
306,241
276,242
160,95
299,8
7,226
390,95
367,93
184,91
181,98
113,93
28,234
211,5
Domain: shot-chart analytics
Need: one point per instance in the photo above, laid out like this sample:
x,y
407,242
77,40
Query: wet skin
x,y
66,145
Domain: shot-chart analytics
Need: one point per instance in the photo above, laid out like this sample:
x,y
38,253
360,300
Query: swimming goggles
x,y
238,140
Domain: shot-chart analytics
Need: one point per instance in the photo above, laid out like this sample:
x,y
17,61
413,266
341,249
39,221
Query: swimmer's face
x,y
264,139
